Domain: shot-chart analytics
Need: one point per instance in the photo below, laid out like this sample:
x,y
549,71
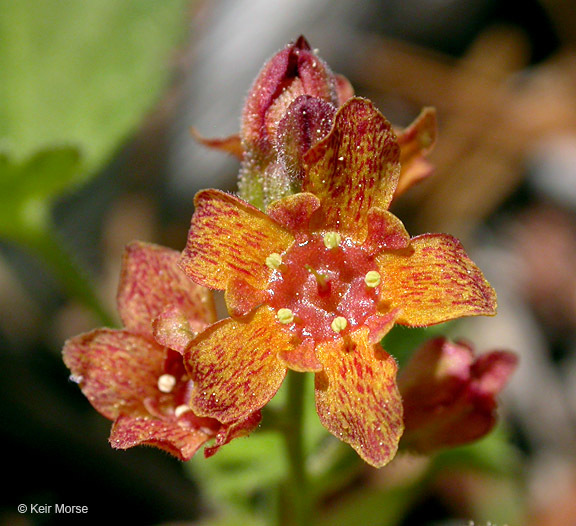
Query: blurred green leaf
x,y
28,187
242,469
493,454
82,73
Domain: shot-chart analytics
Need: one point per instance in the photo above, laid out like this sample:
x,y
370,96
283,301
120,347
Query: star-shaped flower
x,y
314,284
136,376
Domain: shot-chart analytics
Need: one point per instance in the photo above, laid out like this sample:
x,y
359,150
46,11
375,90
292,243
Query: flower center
x,y
324,286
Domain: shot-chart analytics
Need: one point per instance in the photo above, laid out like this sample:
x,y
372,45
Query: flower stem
x,y
296,504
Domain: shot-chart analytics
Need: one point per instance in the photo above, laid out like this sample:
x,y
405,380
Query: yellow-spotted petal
x,y
355,167
434,281
356,396
230,239
235,366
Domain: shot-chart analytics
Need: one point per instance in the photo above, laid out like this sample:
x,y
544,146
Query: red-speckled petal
x,y
116,370
357,398
354,168
180,441
302,358
235,366
294,212
230,239
385,231
434,281
233,430
416,142
241,298
150,281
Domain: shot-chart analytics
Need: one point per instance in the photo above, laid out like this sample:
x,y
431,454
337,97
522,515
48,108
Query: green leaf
x,y
241,470
28,187
82,73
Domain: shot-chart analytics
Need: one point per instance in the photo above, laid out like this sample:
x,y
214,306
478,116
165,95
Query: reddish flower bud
x,y
449,396
294,71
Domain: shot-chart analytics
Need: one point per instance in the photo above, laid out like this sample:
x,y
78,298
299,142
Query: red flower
x,y
315,283
131,377
449,395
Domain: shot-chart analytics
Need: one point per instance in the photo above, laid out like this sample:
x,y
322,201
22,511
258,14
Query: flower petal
x,y
179,441
415,143
230,239
150,281
233,430
357,398
171,329
231,144
116,370
302,358
355,167
434,281
294,212
385,231
235,367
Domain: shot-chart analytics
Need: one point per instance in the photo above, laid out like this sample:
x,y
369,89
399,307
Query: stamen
x,y
166,383
285,316
332,239
372,279
180,410
273,261
339,324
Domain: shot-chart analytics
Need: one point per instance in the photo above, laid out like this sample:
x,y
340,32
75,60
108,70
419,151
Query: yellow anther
x,y
285,316
332,239
166,383
339,324
274,261
372,279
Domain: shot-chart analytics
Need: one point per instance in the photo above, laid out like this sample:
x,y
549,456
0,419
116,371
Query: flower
x,y
449,395
132,377
314,284
289,108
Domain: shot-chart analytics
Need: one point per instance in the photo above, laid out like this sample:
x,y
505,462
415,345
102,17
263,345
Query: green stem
x,y
296,505
44,243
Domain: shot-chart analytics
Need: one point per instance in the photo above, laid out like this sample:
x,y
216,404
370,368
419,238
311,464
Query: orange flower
x,y
131,377
314,284
449,395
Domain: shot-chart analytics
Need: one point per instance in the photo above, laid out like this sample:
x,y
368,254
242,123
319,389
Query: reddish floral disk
x,y
319,284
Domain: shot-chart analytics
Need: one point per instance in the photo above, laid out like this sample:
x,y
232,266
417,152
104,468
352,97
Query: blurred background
x,y
96,104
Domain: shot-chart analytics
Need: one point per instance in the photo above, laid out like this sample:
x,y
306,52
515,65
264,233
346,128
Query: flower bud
x,y
449,396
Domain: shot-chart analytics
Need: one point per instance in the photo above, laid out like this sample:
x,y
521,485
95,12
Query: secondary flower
x,y
449,395
314,284
132,377
289,108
